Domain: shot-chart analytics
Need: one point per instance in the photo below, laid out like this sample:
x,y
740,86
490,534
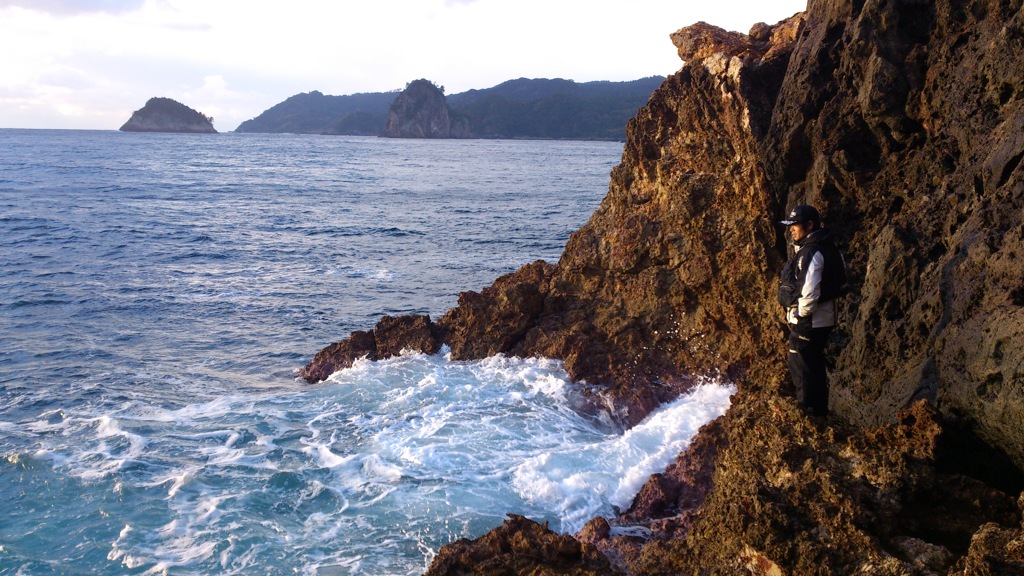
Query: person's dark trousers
x,y
807,367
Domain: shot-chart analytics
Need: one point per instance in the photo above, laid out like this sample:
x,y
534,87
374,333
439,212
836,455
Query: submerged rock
x,y
901,121
166,115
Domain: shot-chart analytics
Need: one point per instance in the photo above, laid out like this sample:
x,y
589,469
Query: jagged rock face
x,y
902,121
166,115
672,276
419,111
788,498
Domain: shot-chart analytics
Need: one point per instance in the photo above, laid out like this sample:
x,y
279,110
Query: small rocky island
x,y
421,111
166,115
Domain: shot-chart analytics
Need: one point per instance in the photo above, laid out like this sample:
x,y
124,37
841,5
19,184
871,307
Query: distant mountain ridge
x,y
553,108
528,89
522,108
317,113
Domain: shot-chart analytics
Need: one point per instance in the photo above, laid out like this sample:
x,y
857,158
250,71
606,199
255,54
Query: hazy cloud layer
x,y
89,63
73,7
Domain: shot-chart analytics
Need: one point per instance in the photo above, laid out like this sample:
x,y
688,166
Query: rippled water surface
x,y
157,293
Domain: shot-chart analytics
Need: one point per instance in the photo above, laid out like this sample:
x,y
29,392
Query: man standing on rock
x,y
811,281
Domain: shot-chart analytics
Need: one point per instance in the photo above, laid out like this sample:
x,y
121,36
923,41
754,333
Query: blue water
x,y
158,292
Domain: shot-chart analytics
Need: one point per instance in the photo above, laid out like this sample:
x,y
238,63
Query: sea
x,y
158,293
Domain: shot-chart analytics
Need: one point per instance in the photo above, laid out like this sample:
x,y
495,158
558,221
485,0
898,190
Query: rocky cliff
x,y
166,115
902,121
420,111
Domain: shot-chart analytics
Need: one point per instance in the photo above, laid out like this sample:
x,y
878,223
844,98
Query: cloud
x,y
67,78
75,7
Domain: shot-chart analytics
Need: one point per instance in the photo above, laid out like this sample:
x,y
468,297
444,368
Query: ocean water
x,y
158,292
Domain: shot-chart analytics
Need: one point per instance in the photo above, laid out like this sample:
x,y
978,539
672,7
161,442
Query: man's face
x,y
798,231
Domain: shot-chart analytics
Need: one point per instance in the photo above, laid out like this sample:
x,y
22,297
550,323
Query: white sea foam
x,y
104,446
389,459
329,459
177,479
579,481
379,274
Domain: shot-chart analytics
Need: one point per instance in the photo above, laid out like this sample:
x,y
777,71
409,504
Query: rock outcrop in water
x,y
520,546
166,115
421,111
902,121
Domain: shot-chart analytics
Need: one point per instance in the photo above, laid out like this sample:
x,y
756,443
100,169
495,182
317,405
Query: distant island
x,y
166,115
421,111
516,109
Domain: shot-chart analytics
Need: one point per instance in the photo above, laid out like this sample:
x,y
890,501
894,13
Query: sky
x,y
88,64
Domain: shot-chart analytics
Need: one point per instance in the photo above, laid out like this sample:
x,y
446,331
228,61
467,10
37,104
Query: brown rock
x,y
701,40
520,546
594,531
995,551
389,338
901,122
416,333
340,355
787,498
495,320
682,488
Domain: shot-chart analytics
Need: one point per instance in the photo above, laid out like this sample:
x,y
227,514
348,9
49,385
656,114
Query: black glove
x,y
802,328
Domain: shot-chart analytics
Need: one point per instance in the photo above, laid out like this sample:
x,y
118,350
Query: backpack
x,y
834,284
789,292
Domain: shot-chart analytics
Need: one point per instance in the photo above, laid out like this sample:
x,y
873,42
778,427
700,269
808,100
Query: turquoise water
x,y
158,293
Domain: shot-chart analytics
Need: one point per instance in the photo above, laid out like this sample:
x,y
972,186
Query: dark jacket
x,y
812,280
